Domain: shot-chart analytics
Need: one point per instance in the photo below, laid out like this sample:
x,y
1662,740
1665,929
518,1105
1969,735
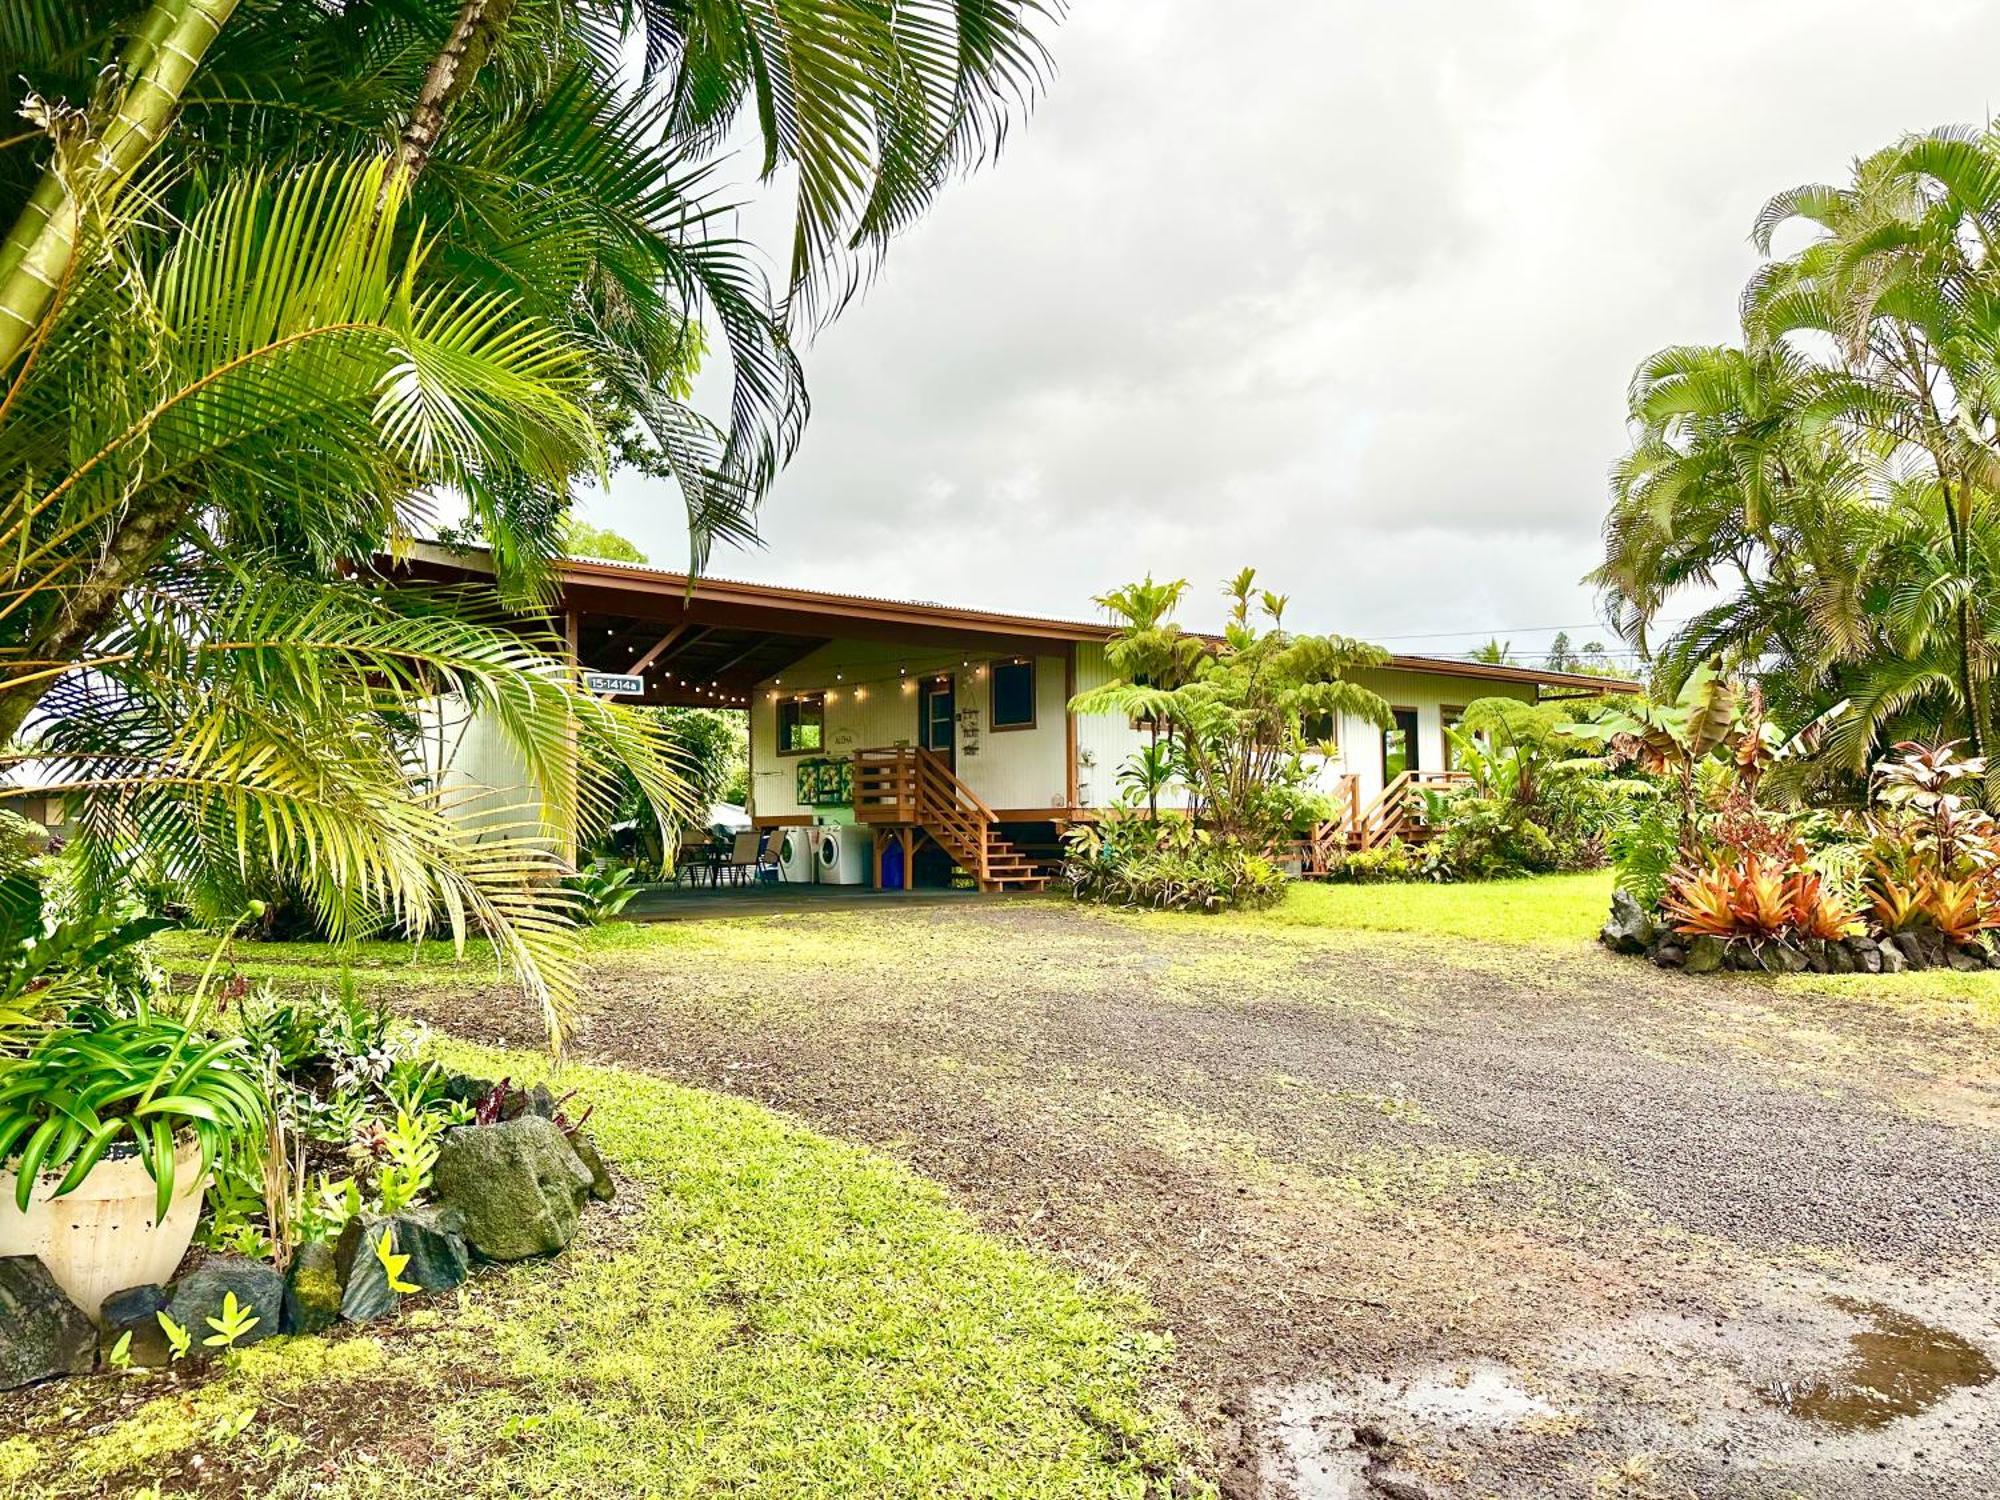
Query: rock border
x,y
1634,931
530,1168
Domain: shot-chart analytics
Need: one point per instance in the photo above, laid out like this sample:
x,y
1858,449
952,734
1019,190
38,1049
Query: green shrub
x,y
20,841
1168,866
1644,848
1392,862
1487,838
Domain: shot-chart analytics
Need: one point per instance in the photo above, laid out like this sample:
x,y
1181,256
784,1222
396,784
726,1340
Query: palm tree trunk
x,y
35,258
450,77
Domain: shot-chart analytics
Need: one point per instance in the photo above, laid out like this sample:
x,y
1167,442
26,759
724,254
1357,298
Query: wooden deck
x,y
1394,816
907,794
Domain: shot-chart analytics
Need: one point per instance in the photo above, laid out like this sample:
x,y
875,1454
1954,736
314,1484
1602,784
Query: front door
x,y
1399,746
937,707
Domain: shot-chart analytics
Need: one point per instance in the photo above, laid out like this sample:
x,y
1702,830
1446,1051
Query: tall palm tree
x,y
278,275
1833,476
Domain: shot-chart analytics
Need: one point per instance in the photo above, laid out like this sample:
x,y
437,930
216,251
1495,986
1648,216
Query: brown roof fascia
x,y
727,602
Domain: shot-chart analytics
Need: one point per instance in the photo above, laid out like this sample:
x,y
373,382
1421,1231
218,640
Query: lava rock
x,y
601,1186
1924,948
1840,959
1743,957
1964,960
1706,954
1630,928
136,1311
1892,958
198,1296
517,1187
467,1088
1782,958
1670,955
42,1333
429,1236
312,1289
1814,952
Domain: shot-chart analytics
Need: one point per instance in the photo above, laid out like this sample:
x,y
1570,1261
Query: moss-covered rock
x,y
312,1289
517,1187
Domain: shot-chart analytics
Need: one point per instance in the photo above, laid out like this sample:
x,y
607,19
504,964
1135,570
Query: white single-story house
x,y
939,728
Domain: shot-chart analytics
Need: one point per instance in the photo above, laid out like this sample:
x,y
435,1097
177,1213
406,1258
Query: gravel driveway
x,y
1425,1217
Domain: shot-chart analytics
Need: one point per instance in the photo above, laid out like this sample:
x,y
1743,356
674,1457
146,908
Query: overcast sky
x,y
1346,290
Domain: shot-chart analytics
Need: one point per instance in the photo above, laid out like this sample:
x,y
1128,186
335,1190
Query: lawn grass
x,y
765,1310
1566,909
430,963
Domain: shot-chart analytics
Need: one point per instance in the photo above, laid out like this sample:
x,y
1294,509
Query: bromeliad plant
x,y
1759,898
1934,852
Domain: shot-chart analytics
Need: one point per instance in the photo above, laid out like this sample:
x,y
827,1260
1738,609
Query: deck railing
x,y
913,787
1392,815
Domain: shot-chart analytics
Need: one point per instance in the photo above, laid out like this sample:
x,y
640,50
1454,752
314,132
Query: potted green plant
x,y
109,1128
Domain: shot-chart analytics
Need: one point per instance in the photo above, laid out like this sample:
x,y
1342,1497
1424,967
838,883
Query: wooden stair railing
x,y
1392,815
915,788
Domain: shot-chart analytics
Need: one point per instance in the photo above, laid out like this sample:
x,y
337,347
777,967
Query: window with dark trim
x,y
1319,729
1014,694
802,724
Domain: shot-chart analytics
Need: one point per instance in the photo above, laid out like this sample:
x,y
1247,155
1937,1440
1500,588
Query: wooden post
x,y
1070,793
573,645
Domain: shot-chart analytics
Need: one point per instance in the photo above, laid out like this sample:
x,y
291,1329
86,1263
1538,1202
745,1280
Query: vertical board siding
x,y
1009,768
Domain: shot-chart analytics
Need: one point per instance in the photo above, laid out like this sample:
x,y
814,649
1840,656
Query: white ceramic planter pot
x,y
101,1238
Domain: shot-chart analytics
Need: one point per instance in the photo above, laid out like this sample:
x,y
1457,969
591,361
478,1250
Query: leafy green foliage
x,y
1125,860
1391,863
1644,848
1486,838
141,1081
1832,477
581,539
1234,713
603,890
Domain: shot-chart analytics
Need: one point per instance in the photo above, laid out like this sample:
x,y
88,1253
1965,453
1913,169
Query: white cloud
x,y
1347,291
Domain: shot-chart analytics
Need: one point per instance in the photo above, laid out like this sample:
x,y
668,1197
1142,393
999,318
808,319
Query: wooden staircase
x,y
1391,817
905,790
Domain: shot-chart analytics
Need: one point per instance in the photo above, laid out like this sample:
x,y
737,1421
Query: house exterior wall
x,y
485,781
872,702
1105,742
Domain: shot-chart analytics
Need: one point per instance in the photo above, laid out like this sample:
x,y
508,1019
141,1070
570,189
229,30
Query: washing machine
x,y
846,855
798,855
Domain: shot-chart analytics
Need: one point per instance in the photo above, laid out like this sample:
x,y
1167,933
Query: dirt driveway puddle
x,y
1897,1366
1329,1441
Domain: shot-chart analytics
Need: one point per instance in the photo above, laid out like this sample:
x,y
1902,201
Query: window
x,y
1014,694
801,724
1319,729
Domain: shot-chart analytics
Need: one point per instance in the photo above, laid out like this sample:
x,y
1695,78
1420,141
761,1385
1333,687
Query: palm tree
x,y
243,346
1833,476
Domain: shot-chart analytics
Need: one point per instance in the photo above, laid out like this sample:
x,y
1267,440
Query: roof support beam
x,y
659,647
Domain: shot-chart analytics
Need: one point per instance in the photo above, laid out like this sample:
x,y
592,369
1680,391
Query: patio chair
x,y
695,858
749,853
